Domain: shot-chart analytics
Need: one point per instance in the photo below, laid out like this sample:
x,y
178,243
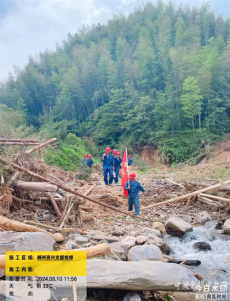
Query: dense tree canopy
x,y
159,76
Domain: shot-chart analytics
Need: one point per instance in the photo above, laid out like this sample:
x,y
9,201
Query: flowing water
x,y
215,264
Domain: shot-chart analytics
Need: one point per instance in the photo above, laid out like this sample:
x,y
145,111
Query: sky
x,y
28,27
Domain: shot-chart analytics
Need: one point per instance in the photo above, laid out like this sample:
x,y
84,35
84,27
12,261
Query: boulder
x,y
132,297
159,226
145,231
203,217
119,250
128,242
81,240
141,239
141,275
226,226
176,226
201,245
155,240
145,252
25,241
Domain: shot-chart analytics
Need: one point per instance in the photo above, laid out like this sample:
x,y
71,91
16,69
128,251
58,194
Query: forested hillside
x,y
159,77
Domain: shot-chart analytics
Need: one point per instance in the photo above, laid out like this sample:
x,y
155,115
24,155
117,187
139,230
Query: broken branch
x,y
54,204
40,146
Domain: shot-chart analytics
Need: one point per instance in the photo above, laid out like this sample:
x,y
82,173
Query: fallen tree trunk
x,y
40,146
44,198
68,189
54,204
99,250
183,197
214,197
35,186
19,143
18,140
224,188
63,230
12,225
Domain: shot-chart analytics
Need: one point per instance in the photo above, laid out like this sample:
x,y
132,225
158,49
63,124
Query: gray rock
x,y
203,217
95,232
159,226
81,240
119,250
145,252
132,297
155,240
201,245
187,218
108,238
141,239
118,232
142,275
147,231
71,245
226,226
128,242
25,241
176,226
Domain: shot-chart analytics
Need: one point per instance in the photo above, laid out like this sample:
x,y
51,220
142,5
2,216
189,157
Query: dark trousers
x,y
110,172
134,200
117,169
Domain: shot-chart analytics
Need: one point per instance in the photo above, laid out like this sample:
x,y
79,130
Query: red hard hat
x,y
85,156
90,156
129,156
108,149
115,151
118,153
132,176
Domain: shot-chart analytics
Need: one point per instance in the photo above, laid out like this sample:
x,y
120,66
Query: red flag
x,y
125,172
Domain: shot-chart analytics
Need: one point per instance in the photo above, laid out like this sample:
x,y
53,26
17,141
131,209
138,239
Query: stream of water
x,y
215,264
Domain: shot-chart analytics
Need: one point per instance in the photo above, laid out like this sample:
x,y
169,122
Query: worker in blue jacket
x,y
108,165
133,188
84,160
130,161
117,163
90,161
